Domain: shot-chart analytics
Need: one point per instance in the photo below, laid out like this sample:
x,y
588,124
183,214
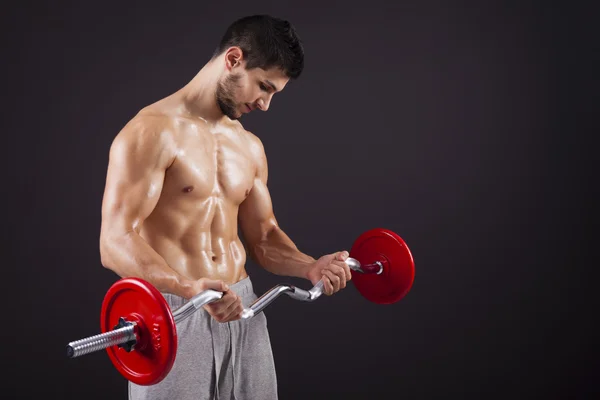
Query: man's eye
x,y
263,87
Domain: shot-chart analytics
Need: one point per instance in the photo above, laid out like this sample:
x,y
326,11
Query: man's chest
x,y
211,165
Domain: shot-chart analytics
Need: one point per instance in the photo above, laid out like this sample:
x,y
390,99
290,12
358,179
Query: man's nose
x,y
263,104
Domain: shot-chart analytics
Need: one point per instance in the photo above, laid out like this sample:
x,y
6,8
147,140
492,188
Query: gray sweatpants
x,y
214,360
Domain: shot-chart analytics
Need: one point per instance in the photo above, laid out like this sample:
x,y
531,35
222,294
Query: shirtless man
x,y
182,176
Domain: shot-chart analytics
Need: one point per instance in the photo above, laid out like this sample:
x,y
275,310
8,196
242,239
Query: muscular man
x,y
182,176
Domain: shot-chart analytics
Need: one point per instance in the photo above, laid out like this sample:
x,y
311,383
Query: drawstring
x,y
232,348
217,360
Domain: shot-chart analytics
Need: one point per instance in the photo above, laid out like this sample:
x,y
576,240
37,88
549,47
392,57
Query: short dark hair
x,y
266,42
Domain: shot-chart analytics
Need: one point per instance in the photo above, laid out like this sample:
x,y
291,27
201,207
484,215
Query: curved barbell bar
x,y
125,334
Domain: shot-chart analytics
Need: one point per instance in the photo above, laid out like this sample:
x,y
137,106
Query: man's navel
x,y
187,189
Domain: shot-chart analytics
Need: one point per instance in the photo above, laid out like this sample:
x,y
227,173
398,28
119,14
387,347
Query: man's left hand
x,y
334,271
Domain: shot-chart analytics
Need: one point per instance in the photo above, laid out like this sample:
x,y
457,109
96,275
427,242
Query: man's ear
x,y
233,57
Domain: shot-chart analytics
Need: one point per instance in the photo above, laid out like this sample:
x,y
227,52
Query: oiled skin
x,y
181,182
194,224
178,182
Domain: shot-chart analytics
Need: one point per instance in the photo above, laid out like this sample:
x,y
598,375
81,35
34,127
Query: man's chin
x,y
235,115
229,112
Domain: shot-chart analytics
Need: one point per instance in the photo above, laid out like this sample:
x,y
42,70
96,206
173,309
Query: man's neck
x,y
198,97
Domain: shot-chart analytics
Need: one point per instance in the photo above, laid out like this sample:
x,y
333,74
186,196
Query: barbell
x,y
139,329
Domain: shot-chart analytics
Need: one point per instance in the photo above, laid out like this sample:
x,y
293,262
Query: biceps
x,y
127,204
256,216
130,195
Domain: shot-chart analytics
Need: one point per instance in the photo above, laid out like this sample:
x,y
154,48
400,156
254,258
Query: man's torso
x,y
194,224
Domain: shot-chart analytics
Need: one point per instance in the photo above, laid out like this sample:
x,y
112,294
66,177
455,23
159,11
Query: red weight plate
x,y
154,354
398,266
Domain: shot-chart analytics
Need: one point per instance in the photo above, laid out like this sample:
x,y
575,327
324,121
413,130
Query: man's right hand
x,y
227,308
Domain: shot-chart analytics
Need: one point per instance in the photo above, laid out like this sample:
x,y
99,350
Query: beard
x,y
226,96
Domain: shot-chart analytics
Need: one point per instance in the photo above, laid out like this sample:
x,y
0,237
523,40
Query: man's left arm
x,y
270,247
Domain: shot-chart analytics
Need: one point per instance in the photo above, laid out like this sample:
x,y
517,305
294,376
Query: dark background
x,y
457,125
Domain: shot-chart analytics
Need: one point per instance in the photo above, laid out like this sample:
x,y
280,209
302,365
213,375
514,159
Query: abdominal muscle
x,y
197,239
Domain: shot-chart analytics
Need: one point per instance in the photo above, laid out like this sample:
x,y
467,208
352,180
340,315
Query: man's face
x,y
240,90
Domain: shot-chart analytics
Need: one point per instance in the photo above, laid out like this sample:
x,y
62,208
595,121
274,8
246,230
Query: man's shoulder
x,y
148,128
256,147
150,119
254,142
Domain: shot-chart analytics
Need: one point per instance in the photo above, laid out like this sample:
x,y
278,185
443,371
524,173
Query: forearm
x,y
277,254
129,255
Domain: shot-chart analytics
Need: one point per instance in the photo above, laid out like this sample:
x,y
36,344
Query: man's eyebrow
x,y
271,84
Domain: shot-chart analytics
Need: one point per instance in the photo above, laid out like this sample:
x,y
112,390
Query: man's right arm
x,y
138,159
